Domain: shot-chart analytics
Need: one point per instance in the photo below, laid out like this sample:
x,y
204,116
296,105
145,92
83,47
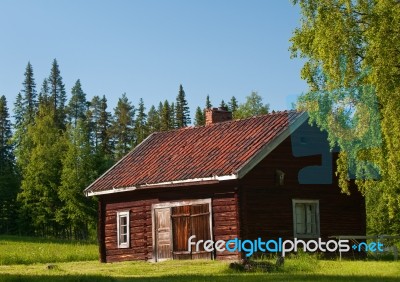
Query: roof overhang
x,y
241,172
204,180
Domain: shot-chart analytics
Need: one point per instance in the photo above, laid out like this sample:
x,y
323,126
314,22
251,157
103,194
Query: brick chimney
x,y
216,115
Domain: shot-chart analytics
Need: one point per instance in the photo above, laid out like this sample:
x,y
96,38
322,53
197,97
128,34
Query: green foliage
x,y
153,120
353,69
8,175
141,130
182,113
122,126
77,105
57,95
253,106
41,178
199,118
208,102
30,96
78,171
165,117
233,105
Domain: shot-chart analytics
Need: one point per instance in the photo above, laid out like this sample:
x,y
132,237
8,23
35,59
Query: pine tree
x,y
93,115
44,92
172,115
153,120
140,123
165,121
223,104
77,106
8,174
233,105
30,95
20,141
103,125
25,112
99,126
182,113
18,112
199,118
57,94
208,103
122,127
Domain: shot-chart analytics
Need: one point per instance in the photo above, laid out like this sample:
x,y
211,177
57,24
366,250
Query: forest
x,y
52,148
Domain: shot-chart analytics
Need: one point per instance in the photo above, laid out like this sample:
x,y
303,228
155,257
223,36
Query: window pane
x,y
123,220
123,234
306,218
300,219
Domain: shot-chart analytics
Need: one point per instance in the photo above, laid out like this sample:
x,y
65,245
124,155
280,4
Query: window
x,y
123,229
306,218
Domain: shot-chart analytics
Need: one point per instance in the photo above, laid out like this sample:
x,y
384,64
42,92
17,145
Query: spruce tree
x,y
44,92
199,118
153,120
122,127
182,113
140,123
208,103
77,106
222,104
18,112
8,174
103,125
25,112
93,115
30,95
99,130
233,105
165,120
172,116
57,95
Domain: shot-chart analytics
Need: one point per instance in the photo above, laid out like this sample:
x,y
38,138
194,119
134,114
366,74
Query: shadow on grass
x,y
227,278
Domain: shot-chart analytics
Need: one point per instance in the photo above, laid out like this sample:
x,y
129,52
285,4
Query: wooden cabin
x,y
268,176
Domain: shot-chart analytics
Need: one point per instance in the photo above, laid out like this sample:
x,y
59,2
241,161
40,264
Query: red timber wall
x,y
266,209
224,206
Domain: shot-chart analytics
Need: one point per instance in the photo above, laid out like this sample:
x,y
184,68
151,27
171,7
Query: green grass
x,y
28,250
302,267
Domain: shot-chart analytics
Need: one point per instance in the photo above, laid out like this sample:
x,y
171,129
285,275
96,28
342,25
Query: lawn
x,y
29,250
299,268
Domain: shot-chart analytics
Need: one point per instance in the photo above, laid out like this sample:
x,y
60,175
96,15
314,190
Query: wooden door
x,y
200,226
181,232
163,233
187,221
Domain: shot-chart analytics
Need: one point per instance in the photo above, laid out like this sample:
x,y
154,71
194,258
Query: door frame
x,y
176,204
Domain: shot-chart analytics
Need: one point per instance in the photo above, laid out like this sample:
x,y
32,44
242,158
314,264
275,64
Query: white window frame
x,y
316,234
120,214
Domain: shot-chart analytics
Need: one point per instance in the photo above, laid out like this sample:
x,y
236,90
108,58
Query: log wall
x,y
266,209
224,217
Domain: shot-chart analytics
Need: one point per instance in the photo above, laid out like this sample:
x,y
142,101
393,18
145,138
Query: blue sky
x,y
148,48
